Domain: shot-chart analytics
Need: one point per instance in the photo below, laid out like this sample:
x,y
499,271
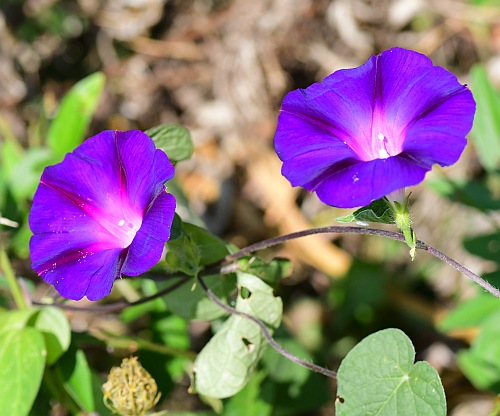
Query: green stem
x,y
132,344
8,272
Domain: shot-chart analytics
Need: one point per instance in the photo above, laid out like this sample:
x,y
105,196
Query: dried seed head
x,y
130,389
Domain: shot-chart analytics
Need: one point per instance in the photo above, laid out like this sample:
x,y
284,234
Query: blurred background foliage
x,y
71,68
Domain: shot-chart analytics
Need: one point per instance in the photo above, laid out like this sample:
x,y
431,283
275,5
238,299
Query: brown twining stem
x,y
368,231
224,266
266,333
117,306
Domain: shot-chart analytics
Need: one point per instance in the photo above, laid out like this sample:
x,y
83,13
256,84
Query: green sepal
x,y
377,211
386,211
402,219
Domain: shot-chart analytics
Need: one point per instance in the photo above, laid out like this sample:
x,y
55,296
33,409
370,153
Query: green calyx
x,y
402,218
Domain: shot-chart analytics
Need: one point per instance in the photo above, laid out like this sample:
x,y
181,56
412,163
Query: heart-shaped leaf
x,y
378,377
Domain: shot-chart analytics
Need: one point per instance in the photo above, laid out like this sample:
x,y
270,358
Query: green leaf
x,y
486,129
248,402
22,361
100,407
190,301
485,246
132,313
492,278
293,398
170,330
193,248
16,319
11,150
70,125
474,193
360,296
176,230
271,272
481,373
378,377
211,248
484,2
54,326
182,256
20,240
377,211
481,363
470,313
25,176
281,369
76,377
226,363
173,139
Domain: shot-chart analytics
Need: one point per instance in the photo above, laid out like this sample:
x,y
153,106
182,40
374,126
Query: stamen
x,y
383,153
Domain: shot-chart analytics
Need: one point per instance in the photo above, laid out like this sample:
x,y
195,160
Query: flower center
x,y
382,146
120,220
128,230
122,224
385,140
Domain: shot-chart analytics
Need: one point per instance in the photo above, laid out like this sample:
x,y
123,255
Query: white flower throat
x,y
128,229
382,151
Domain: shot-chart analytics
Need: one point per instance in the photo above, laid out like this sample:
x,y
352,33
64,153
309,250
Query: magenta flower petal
x,y
365,132
147,247
367,181
99,210
90,275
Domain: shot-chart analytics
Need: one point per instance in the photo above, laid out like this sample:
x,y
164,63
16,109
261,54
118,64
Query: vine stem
x,y
9,274
117,306
224,267
266,333
271,242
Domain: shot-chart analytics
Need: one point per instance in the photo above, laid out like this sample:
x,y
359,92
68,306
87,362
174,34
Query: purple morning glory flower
x,y
100,213
365,132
